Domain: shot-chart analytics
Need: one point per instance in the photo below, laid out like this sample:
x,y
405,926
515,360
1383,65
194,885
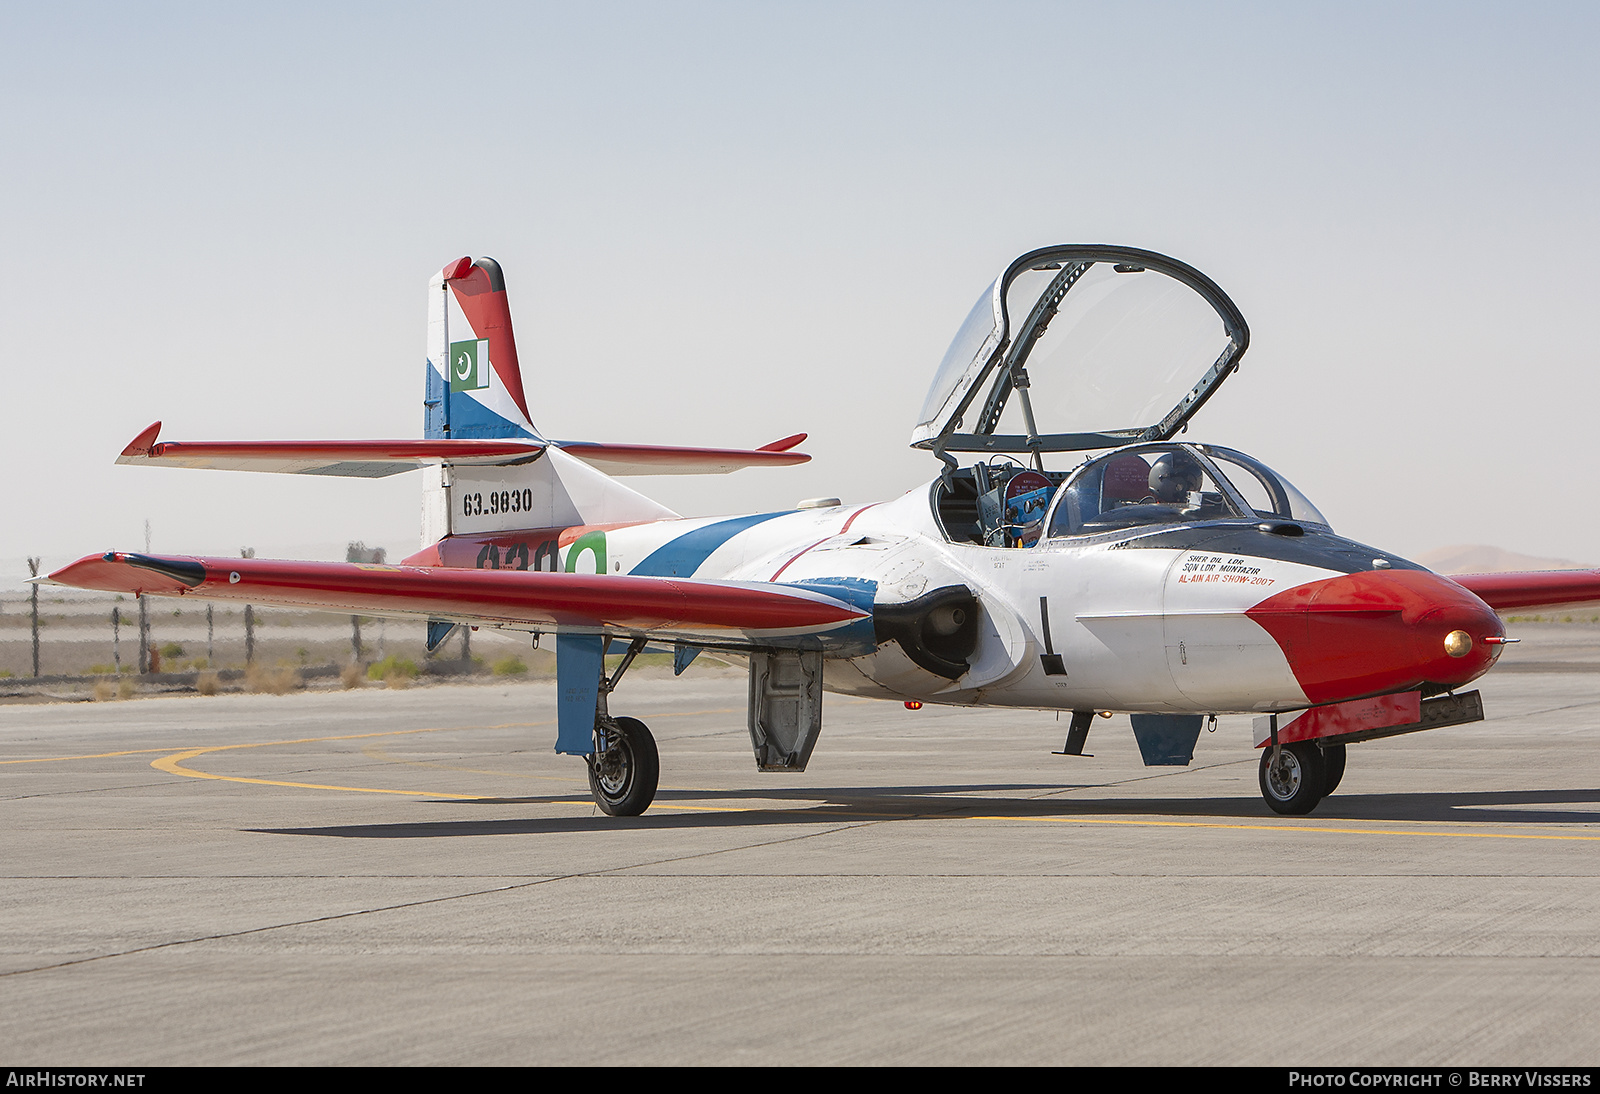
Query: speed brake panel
x,y
785,707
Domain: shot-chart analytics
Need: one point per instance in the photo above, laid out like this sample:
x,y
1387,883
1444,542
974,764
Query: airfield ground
x,y
407,877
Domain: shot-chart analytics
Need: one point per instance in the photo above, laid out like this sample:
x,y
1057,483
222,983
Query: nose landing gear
x,y
1294,777
1333,762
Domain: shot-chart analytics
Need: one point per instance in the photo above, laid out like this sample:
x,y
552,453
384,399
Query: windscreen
x,y
1266,491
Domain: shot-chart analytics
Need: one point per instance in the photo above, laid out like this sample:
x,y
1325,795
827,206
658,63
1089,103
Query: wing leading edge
x,y
581,603
1532,589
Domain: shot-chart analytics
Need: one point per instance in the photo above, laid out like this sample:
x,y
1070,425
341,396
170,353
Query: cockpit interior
x,y
1005,503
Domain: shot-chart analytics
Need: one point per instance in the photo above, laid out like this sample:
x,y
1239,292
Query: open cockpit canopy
x,y
1075,348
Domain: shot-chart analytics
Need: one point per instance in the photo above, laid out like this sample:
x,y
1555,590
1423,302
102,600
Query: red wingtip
x,y
427,557
111,573
144,444
784,445
458,268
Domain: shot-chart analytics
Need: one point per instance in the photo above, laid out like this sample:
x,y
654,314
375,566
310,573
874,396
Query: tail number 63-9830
x,y
503,501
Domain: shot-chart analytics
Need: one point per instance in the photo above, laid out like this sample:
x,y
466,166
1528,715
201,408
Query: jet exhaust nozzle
x,y
938,630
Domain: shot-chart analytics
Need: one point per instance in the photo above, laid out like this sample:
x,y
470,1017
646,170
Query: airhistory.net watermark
x,y
48,1077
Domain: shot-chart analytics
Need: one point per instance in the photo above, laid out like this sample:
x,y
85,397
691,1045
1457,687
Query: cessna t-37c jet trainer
x,y
1071,555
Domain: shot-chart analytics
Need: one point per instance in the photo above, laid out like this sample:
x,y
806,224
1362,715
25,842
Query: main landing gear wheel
x,y
1333,767
623,778
1295,784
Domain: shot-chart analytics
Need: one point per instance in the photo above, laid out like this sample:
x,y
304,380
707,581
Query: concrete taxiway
x,y
407,877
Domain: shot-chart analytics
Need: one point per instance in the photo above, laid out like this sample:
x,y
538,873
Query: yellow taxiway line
x,y
1284,828
173,764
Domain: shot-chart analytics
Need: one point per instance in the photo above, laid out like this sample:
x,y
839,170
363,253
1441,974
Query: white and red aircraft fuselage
x,y
1165,580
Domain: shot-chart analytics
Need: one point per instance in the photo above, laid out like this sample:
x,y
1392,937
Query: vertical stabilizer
x,y
475,391
474,382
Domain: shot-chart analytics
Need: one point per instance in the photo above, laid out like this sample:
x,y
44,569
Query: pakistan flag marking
x,y
469,365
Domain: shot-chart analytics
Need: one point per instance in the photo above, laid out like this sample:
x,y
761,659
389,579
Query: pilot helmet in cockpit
x,y
1175,476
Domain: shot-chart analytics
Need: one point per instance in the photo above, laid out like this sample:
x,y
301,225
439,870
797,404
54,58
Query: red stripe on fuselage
x,y
823,540
1376,632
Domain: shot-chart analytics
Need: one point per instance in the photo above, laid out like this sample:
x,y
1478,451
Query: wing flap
x,y
671,607
1532,589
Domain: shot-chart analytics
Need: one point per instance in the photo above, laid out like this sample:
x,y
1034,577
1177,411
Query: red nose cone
x,y
1381,631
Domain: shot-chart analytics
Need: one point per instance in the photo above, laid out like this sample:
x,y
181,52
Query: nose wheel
x,y
1333,764
1297,781
624,771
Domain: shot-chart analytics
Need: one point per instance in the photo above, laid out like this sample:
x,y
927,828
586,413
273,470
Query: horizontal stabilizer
x,y
353,459
723,611
1532,589
658,459
377,459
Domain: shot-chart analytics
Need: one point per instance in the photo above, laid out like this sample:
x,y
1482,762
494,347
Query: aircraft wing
x,y
722,611
1532,589
377,459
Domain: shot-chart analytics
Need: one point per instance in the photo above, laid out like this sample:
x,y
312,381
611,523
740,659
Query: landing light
x,y
1458,643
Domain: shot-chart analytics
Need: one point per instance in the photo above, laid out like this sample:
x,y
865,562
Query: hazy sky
x,y
725,223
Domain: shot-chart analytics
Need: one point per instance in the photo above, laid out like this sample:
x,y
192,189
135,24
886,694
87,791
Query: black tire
x,y
623,779
1332,767
1297,787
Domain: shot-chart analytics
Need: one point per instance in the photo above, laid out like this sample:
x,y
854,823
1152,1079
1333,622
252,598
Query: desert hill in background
x,y
1481,559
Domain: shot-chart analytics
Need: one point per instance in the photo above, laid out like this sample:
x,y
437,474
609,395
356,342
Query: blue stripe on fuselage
x,y
855,639
681,557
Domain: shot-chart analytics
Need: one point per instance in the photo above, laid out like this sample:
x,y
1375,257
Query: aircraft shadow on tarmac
x,y
845,805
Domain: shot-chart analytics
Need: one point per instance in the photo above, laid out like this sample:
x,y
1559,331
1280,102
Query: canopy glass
x,y
1082,347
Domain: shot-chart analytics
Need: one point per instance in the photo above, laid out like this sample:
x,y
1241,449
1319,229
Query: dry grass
x,y
352,676
104,691
125,688
391,666
207,683
279,681
395,672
